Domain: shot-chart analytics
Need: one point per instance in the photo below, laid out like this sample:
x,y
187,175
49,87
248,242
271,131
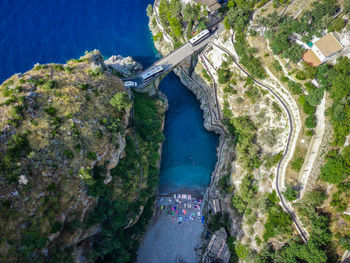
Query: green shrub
x,y
6,92
297,163
336,168
253,93
96,71
39,67
241,250
206,75
284,79
272,160
301,75
84,86
158,37
49,85
310,122
344,241
32,241
91,155
276,65
295,87
68,153
225,184
307,108
57,226
224,75
58,67
149,10
278,222
276,107
315,96
121,101
309,132
337,25
218,221
229,89
36,81
50,111
290,193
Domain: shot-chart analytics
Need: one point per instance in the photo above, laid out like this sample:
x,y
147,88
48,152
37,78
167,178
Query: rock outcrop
x,y
125,66
217,250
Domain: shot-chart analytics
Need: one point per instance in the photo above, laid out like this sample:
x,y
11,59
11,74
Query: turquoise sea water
x,y
57,30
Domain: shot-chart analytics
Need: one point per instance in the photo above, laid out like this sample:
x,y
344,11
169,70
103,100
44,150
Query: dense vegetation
x,y
114,212
283,30
180,21
57,156
336,80
237,18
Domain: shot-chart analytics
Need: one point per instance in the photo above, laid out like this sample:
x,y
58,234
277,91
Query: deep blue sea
x,y
39,31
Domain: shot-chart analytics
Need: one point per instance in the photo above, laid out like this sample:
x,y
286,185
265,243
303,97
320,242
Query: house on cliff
x,y
217,250
213,5
322,50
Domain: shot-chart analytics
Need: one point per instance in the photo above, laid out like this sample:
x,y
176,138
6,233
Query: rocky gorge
x,y
242,101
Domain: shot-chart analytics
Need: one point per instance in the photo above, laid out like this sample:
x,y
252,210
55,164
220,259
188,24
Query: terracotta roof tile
x,y
310,58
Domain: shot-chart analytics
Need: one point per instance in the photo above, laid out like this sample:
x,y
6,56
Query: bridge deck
x,y
174,58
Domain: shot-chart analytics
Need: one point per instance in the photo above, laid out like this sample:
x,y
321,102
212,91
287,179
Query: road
x,y
301,230
177,56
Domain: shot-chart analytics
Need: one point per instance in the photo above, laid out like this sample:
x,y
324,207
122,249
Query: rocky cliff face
x,y
62,138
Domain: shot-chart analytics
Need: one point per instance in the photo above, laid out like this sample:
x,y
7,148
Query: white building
x,y
322,50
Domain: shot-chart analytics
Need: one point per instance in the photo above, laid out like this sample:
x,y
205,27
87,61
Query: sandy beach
x,y
174,231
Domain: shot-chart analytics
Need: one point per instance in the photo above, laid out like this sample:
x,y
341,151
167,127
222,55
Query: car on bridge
x,y
129,84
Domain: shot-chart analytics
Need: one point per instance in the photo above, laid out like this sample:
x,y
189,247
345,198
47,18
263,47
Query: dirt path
x,y
316,143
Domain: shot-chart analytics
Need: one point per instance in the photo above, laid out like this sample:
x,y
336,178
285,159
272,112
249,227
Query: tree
x,y
175,8
278,222
345,242
346,9
121,101
290,193
238,18
337,25
149,10
189,13
310,122
297,163
175,26
315,96
335,170
241,250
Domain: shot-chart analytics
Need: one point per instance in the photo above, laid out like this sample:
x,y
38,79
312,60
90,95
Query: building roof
x,y
214,7
212,4
328,45
218,250
311,58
